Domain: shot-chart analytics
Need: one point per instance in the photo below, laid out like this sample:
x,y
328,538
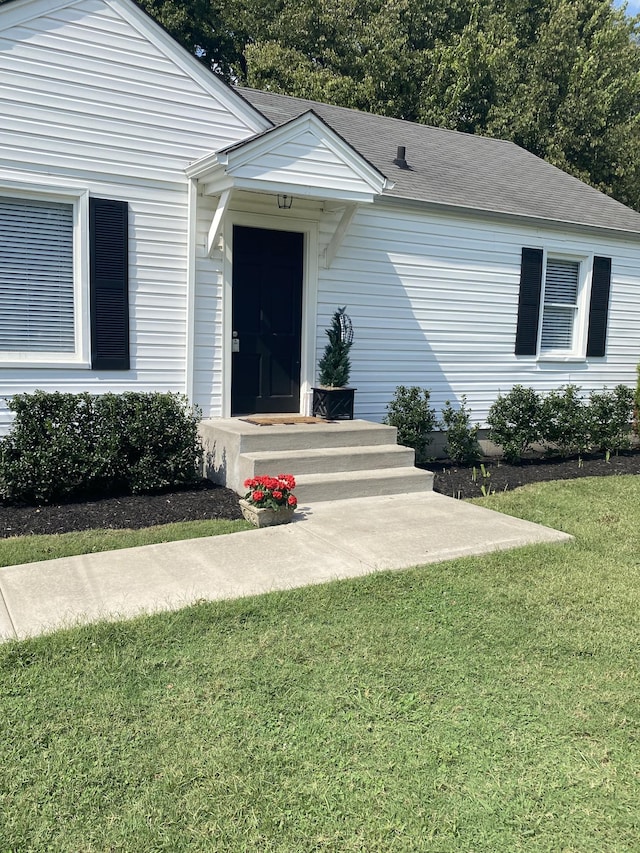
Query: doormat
x,y
293,419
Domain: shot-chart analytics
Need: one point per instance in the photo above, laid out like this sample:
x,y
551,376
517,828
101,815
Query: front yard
x,y
486,704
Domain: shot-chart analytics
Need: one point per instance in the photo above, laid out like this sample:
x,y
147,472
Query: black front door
x,y
267,320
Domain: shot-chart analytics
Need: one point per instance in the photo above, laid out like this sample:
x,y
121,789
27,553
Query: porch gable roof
x,y
302,157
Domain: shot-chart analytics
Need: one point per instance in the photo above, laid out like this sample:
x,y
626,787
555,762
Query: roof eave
x,y
504,216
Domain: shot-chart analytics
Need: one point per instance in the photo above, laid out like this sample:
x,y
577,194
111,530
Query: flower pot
x,y
333,404
266,516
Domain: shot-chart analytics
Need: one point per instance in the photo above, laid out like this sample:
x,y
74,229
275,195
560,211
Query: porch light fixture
x,y
285,201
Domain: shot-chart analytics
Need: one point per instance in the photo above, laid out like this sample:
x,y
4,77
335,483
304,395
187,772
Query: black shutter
x,y
529,302
108,241
599,307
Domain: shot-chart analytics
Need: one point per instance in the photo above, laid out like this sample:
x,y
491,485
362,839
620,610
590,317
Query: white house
x,y
162,231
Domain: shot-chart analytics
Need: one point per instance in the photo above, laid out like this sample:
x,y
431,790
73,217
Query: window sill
x,y
48,364
562,359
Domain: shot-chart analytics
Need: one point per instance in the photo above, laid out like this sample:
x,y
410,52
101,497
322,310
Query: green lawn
x,y
30,549
485,704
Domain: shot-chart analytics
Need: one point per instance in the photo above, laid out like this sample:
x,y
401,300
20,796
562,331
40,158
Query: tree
x,y
559,77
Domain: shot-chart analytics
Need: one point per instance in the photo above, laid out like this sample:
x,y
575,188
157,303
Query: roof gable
x,y
304,157
18,13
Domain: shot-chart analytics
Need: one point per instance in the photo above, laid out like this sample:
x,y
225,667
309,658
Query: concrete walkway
x,y
327,541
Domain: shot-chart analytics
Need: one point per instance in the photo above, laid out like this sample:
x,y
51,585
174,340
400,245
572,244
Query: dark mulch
x,y
461,482
133,512
209,501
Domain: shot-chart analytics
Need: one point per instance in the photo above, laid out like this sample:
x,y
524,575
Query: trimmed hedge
x,y
64,446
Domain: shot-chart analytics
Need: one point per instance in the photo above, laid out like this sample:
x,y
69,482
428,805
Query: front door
x,y
267,320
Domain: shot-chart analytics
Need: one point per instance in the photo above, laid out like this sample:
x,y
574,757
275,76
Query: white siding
x,y
434,301
303,161
88,101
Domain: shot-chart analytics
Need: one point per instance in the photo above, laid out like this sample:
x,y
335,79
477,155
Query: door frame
x,y
309,228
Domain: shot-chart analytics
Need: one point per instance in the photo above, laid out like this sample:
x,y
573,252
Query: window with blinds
x,y
36,276
560,304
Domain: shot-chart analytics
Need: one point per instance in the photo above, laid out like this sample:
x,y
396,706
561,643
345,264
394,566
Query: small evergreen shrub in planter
x,y
610,415
64,446
413,417
515,421
565,422
462,438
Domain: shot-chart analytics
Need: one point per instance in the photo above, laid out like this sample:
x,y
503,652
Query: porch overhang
x,y
304,157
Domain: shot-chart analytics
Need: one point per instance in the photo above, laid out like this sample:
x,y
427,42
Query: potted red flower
x,y
269,500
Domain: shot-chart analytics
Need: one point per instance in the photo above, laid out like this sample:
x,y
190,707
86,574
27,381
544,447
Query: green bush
x,y
611,413
462,438
415,420
636,405
566,421
515,421
65,446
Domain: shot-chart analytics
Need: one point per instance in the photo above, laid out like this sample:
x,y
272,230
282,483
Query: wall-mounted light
x,y
285,202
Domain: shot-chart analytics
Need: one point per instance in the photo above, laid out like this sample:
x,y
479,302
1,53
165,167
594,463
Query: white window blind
x,y
36,276
560,304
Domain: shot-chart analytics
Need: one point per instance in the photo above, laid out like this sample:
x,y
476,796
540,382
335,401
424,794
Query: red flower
x,y
288,481
257,496
292,500
277,495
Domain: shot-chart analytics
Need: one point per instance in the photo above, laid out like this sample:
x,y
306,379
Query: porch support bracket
x,y
336,241
216,224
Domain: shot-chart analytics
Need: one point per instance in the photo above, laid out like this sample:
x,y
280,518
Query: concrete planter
x,y
265,516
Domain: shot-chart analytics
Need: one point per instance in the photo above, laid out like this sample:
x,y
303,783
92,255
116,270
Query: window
x,y
36,276
563,305
560,305
63,281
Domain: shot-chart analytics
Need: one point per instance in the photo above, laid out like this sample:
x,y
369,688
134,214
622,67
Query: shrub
x,y
74,445
415,420
514,421
462,438
566,421
610,414
335,365
636,405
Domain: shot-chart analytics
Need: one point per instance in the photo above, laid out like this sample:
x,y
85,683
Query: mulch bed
x,y
461,482
209,501
132,512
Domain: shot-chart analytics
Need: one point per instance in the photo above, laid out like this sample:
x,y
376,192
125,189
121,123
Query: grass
x,y
485,704
29,549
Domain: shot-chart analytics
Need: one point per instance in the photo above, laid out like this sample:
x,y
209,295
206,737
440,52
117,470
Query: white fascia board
x,y
308,122
20,11
174,51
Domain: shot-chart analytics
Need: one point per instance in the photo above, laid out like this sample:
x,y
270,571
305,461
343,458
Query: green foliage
x,y
515,421
610,414
462,438
72,445
566,421
415,420
636,405
559,77
562,420
335,365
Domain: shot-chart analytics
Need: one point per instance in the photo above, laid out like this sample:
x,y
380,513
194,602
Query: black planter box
x,y
333,404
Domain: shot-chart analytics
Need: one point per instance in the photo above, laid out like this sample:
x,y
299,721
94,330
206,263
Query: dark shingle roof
x,y
459,169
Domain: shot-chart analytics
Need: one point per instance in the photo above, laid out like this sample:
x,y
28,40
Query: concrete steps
x,y
330,460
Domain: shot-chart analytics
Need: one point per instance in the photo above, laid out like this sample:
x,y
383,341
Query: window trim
x,y
81,356
578,350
